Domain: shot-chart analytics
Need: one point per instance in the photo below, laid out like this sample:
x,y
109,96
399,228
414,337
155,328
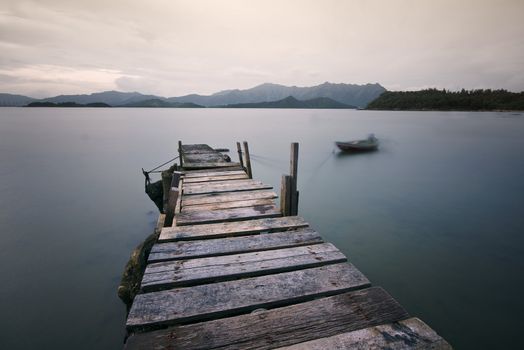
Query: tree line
x,y
445,100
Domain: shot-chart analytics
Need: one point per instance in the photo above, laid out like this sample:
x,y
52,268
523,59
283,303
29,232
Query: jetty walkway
x,y
236,271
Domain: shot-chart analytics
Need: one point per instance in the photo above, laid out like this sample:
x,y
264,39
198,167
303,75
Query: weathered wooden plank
x,y
210,165
219,188
204,158
232,245
182,233
234,214
196,148
233,297
192,180
229,205
280,326
407,334
198,174
213,172
226,197
220,184
182,273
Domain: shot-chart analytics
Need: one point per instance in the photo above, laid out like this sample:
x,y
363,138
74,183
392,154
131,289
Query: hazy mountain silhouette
x,y
349,94
158,103
291,102
10,100
113,98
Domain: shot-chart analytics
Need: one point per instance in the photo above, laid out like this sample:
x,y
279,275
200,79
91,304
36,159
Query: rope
x,y
153,170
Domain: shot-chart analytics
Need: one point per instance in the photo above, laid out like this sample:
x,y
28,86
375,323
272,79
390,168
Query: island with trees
x,y
445,100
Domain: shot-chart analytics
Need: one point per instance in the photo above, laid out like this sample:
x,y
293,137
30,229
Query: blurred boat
x,y
369,144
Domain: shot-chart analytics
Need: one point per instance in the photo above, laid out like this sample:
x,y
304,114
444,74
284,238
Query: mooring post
x,y
180,153
172,198
285,198
167,178
240,157
293,173
248,160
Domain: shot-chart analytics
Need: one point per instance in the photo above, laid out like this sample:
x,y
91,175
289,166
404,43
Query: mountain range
x,y
291,102
347,94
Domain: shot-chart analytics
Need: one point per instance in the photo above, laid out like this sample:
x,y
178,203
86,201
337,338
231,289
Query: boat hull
x,y
357,146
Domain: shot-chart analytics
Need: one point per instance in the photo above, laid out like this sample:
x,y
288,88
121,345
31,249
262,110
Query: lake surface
x,y
436,217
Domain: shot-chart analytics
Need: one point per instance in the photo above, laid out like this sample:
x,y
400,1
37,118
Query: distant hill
x,y
10,100
157,103
350,94
291,102
112,98
67,104
464,100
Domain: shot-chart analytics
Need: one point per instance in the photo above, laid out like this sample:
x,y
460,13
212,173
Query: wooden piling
x,y
167,178
180,153
285,195
240,157
293,192
172,198
248,160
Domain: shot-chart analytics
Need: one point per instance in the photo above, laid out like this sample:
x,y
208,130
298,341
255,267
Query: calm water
x,y
436,217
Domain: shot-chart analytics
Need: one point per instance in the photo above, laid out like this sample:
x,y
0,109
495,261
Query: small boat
x,y
369,144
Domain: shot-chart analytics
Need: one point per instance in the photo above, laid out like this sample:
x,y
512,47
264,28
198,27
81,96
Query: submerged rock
x,y
133,272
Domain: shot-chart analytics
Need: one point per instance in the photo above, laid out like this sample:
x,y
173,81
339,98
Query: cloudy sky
x,y
170,47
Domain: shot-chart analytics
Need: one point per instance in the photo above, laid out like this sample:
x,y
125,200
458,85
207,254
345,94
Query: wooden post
x,y
293,170
180,153
172,198
167,178
171,205
285,198
176,178
240,157
248,160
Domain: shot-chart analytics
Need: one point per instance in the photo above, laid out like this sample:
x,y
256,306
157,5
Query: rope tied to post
x,y
155,190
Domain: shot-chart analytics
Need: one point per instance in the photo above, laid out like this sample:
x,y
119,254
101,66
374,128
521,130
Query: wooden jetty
x,y
235,271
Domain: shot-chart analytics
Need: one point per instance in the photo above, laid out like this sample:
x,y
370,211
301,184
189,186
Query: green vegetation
x,y
291,102
442,100
67,104
158,103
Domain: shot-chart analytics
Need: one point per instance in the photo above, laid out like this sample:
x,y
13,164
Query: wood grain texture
x,y
214,172
200,179
233,297
230,187
210,165
220,183
196,148
211,157
223,215
183,273
232,245
229,205
227,197
410,334
206,231
280,326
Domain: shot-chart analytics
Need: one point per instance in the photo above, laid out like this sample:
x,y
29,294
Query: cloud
x,y
173,47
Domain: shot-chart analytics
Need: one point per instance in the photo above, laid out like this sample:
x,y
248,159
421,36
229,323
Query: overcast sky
x,y
173,48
